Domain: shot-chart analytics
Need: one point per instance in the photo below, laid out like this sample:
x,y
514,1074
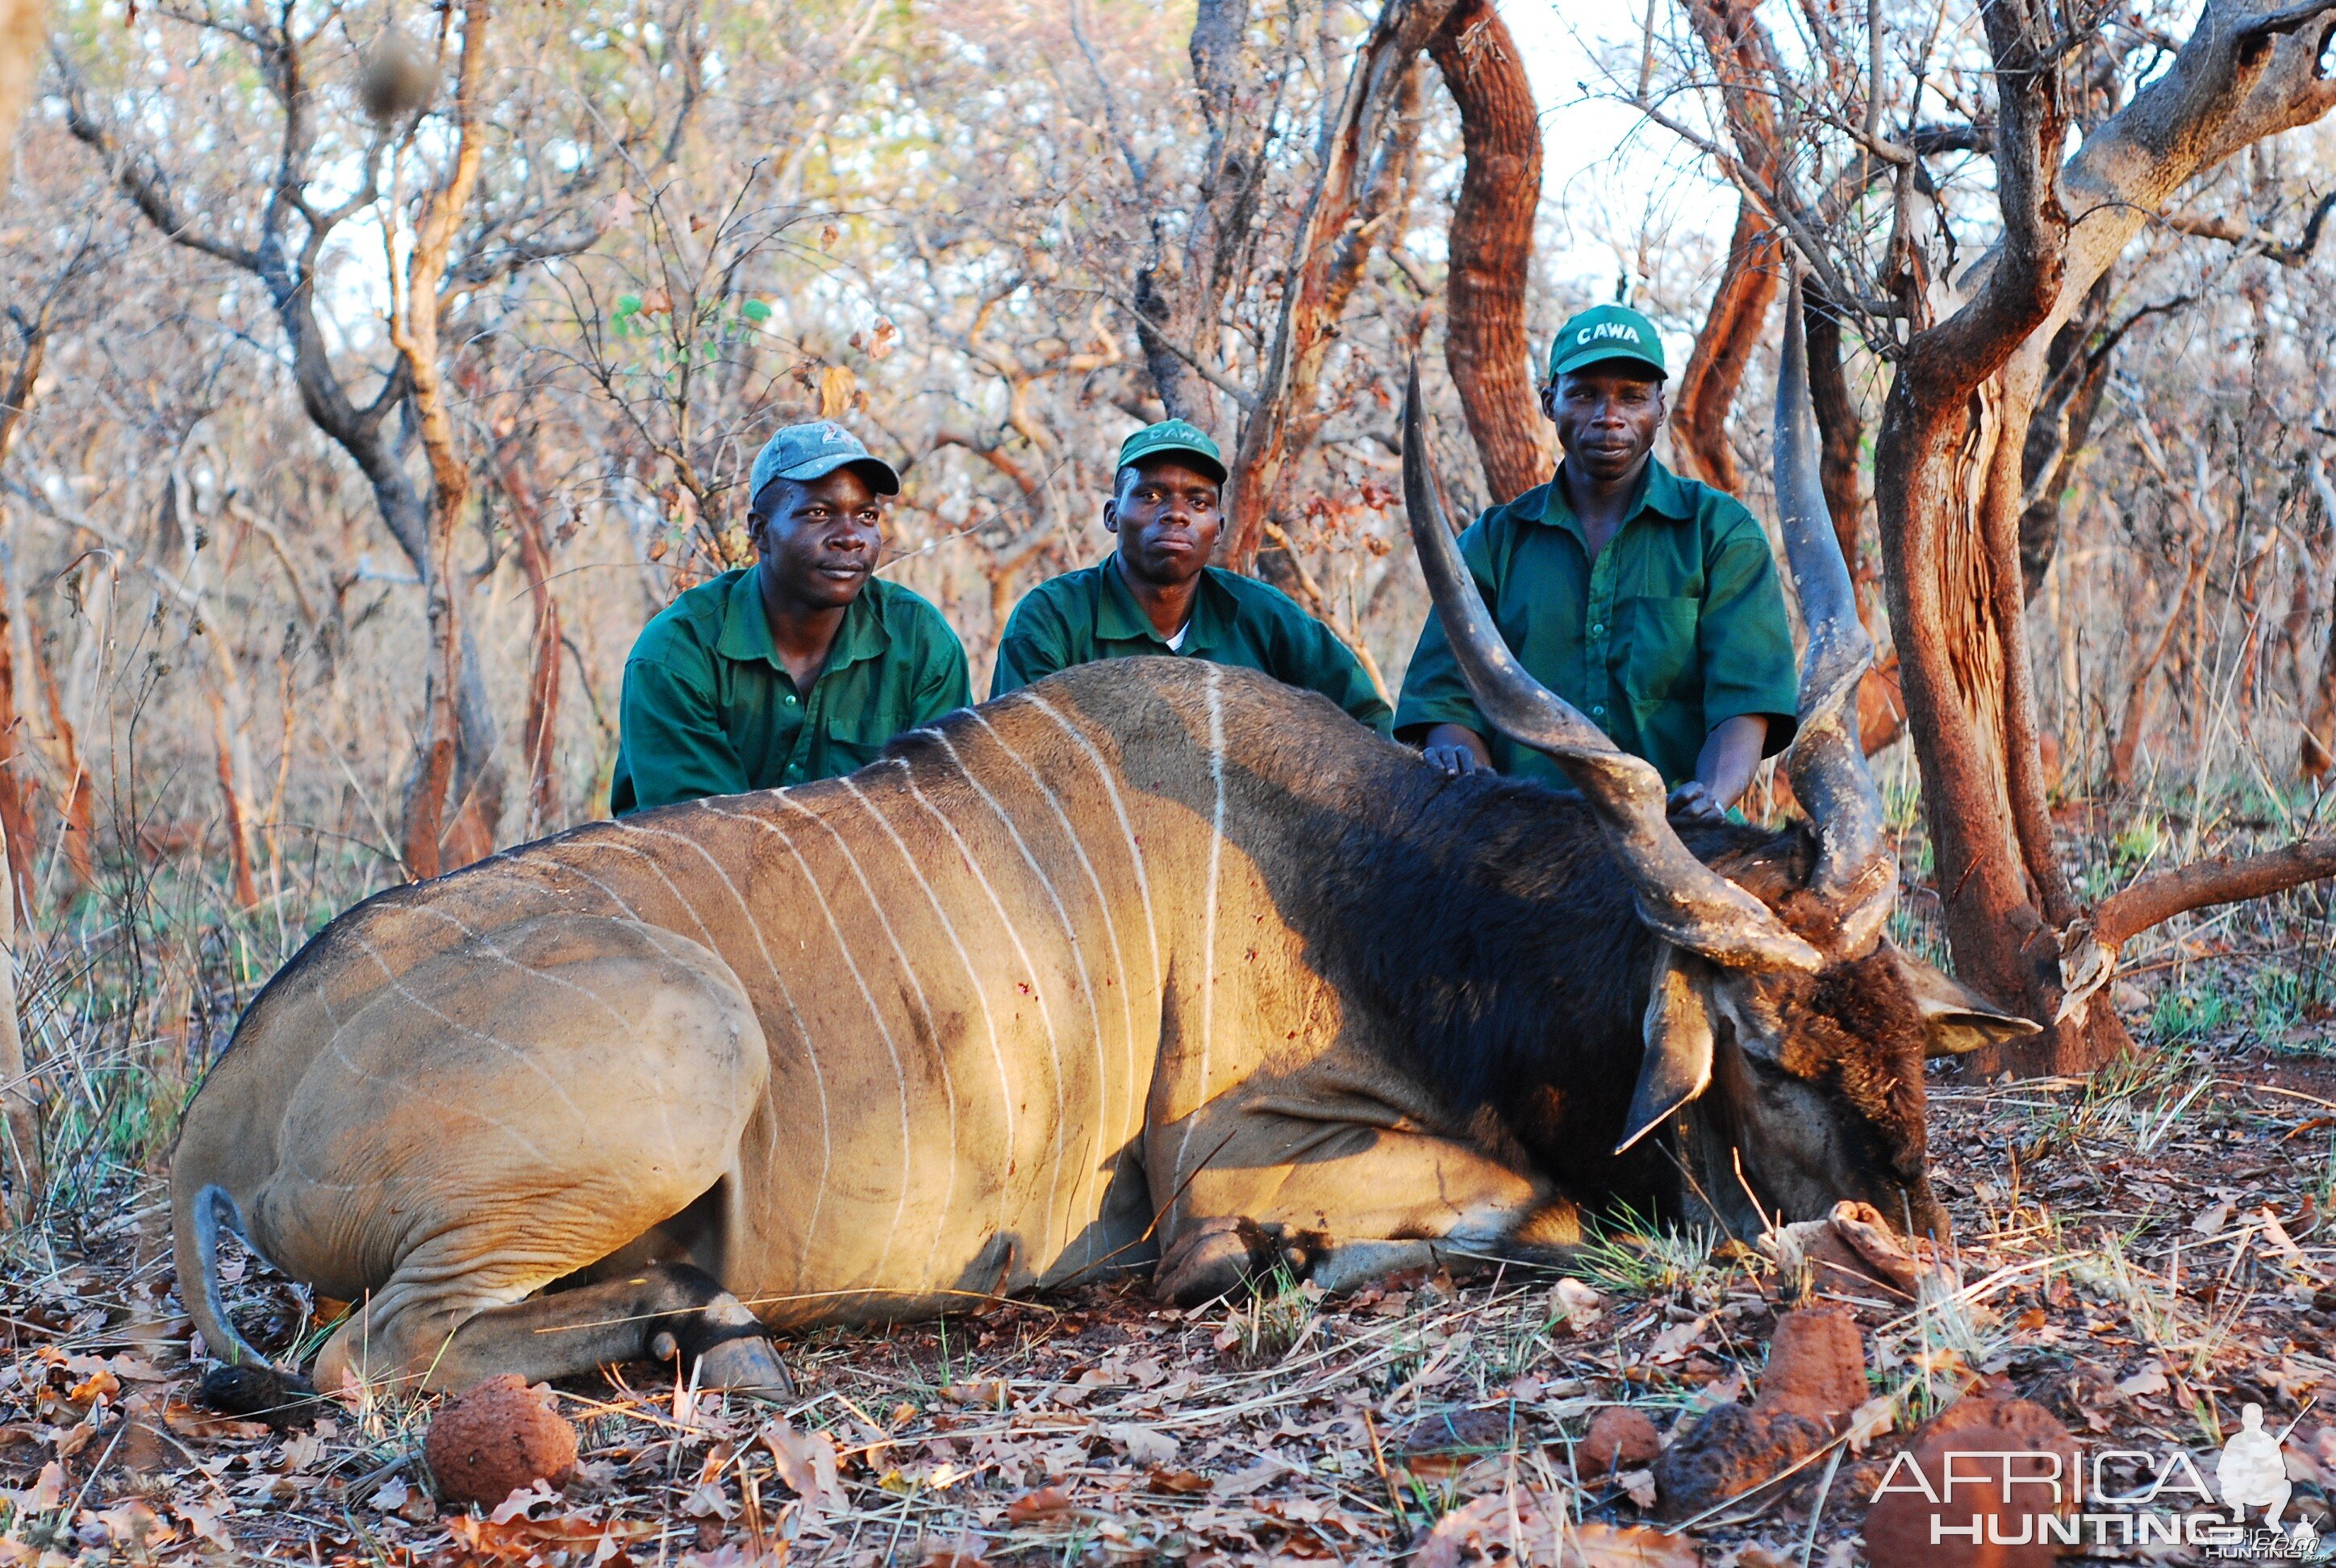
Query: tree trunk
x,y
414,329
234,803
1491,247
2076,372
2317,750
1881,706
1948,465
78,805
1179,289
15,789
1732,329
539,730
1356,166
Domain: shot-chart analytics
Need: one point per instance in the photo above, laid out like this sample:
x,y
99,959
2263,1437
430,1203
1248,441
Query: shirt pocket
x,y
1655,656
856,732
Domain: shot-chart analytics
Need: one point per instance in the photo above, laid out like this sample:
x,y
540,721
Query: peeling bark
x,y
1491,247
1732,328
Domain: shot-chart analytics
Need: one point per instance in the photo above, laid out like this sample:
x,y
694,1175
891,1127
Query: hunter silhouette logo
x,y
2253,1474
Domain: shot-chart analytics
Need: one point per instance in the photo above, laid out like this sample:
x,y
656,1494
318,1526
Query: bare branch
x,y
2159,896
141,178
2247,238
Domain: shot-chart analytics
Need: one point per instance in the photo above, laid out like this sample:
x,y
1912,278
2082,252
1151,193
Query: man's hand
x,y
1456,749
1694,803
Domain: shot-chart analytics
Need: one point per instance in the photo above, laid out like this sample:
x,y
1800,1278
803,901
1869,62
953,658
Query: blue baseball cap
x,y
814,451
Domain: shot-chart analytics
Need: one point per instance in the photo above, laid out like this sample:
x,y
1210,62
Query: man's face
x,y
1606,416
819,540
1167,518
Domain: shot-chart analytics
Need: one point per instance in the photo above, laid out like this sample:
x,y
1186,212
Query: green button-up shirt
x,y
1090,614
1678,625
709,710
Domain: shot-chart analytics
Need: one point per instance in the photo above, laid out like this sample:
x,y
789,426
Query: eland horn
x,y
1857,875
1682,899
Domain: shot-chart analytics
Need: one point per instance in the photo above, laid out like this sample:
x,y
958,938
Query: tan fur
x,y
963,1023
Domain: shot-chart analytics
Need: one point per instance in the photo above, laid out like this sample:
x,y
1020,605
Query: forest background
x,y
372,372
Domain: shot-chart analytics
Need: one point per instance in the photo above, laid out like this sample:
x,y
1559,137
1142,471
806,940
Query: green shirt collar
x,y
746,629
1660,492
1120,619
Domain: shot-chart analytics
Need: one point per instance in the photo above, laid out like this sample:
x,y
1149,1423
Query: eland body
x,y
1153,961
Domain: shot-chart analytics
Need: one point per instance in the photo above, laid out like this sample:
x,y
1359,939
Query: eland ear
x,y
1678,1030
1956,1018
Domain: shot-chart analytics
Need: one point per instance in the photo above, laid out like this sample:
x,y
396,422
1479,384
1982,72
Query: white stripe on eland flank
x,y
289,1154
924,1005
1092,1173
794,1014
479,939
1110,778
406,994
1209,924
1118,1132
973,976
1037,981
884,1028
548,866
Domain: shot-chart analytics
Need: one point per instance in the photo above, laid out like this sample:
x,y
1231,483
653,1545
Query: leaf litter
x,y
2139,1274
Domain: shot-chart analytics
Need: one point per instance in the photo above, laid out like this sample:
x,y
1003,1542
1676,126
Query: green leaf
x,y
756,310
627,304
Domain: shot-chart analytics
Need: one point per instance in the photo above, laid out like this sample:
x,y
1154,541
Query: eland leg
x,y
664,1312
1341,1203
503,1116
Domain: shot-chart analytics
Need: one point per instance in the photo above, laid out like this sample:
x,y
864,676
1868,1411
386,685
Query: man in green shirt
x,y
1158,594
1648,601
798,668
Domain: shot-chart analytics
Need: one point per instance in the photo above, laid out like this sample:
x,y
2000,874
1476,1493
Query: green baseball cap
x,y
1174,435
814,451
1606,332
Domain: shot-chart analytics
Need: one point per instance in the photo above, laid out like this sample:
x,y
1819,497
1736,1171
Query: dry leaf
x,y
992,1392
1574,1305
836,383
1674,1342
708,1501
1546,1536
133,1523
301,1452
806,1461
191,1421
1638,1486
1047,1504
100,1384
2212,1221
46,1492
1181,1482
1144,1445
1871,1420
2148,1380
205,1525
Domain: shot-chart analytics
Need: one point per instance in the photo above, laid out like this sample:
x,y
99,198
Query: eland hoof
x,y
748,1365
1215,1258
